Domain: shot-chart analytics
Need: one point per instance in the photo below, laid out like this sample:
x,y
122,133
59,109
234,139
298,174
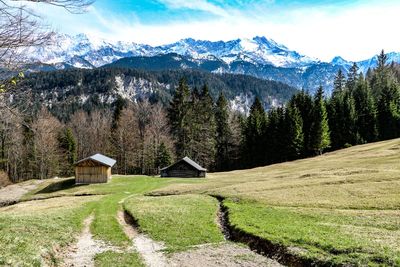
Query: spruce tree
x,y
365,108
380,76
389,112
204,143
273,136
179,119
339,82
352,77
69,151
254,134
319,134
163,156
223,133
342,120
293,133
304,103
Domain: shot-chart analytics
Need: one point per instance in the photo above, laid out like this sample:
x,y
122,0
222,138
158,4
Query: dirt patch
x,y
12,194
149,250
227,254
83,252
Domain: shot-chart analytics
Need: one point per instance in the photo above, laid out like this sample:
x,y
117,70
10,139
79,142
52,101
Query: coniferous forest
x,y
146,136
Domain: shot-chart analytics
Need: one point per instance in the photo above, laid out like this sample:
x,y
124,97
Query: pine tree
x,y
223,135
120,104
273,136
339,82
178,117
205,137
389,112
365,108
342,120
293,133
163,156
352,77
379,77
319,134
69,151
254,134
304,103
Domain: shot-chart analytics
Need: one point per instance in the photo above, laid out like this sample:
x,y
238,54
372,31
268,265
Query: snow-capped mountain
x,y
81,52
258,50
260,57
84,52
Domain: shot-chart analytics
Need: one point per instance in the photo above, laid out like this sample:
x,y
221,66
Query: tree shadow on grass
x,y
58,186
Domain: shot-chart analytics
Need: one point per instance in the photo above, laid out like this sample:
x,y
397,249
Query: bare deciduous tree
x,y
126,138
21,28
92,132
46,129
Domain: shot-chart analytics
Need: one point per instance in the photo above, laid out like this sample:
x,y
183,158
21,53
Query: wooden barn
x,y
93,169
184,168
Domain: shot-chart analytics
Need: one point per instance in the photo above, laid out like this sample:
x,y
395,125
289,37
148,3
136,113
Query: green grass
x,y
338,236
32,230
342,207
179,221
110,258
29,232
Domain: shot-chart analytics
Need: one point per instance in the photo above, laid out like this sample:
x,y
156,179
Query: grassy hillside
x,y
341,208
361,177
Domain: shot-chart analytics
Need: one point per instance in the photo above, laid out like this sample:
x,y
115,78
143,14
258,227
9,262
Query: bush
x,y
4,180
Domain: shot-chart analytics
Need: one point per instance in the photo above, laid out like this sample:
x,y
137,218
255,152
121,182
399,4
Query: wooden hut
x,y
184,168
93,169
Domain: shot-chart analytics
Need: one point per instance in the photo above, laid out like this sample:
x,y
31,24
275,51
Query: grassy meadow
x,y
342,207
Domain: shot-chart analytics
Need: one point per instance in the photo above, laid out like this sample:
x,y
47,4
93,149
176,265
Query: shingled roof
x,y
188,161
100,159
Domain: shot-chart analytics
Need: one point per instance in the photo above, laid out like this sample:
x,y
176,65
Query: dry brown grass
x,y
4,180
366,176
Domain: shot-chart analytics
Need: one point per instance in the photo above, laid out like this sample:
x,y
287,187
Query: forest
x,y
145,136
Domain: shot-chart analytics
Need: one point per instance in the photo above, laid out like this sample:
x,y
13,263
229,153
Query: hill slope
x,y
341,208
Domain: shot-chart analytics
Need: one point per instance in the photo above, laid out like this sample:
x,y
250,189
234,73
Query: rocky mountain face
x,y
260,57
65,91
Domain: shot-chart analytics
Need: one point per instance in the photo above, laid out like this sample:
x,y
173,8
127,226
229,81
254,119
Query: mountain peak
x,y
338,60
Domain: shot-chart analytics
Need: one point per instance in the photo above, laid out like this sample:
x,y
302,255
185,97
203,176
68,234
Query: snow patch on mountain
x,y
83,51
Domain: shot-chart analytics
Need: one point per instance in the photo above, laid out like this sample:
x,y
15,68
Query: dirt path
x,y
82,253
146,247
213,255
13,193
226,254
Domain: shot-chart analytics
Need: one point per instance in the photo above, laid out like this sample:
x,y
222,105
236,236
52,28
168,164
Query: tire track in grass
x,y
84,251
147,248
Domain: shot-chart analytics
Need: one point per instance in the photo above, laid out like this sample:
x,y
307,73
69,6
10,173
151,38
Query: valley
x,y
337,209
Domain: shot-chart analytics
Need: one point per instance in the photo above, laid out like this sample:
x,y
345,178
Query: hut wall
x,y
182,170
92,174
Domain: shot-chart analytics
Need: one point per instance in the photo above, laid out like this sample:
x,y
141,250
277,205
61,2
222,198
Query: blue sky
x,y
354,30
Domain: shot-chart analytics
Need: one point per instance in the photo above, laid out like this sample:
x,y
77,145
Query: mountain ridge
x,y
259,56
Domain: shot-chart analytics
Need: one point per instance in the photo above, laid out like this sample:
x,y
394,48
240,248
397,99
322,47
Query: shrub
x,y
4,180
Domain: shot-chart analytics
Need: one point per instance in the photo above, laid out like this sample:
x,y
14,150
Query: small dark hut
x,y
184,168
93,169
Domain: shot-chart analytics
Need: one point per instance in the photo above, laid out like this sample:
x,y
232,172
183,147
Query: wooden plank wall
x,y
92,174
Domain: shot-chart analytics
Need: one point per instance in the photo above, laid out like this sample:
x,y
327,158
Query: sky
x,y
354,30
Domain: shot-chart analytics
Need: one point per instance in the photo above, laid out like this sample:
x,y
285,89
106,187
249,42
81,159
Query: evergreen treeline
x,y
146,136
360,110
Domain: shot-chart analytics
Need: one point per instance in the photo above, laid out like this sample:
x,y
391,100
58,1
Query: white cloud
x,y
355,32
200,5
